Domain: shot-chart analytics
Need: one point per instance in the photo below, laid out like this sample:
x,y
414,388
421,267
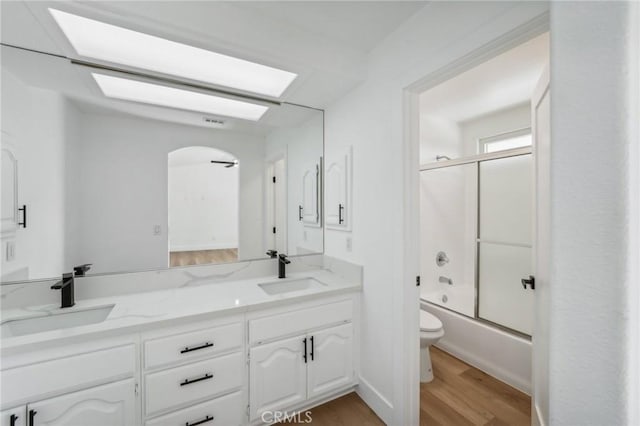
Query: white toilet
x,y
430,332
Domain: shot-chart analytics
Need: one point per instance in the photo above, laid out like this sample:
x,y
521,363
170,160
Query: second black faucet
x,y
282,262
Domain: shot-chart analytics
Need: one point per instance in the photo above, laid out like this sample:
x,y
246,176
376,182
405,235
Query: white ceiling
x,y
325,43
358,24
502,82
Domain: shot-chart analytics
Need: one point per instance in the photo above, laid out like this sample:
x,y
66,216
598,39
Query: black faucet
x,y
272,253
282,261
66,287
81,270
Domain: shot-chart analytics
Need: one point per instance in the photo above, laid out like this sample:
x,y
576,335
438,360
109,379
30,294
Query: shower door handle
x,y
531,281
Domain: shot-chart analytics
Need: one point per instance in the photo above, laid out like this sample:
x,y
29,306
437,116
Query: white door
x,y
14,417
107,405
278,375
541,128
330,359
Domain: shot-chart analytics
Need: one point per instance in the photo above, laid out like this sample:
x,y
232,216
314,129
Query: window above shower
x,y
502,142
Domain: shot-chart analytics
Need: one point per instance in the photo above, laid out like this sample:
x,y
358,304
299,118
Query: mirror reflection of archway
x,y
203,193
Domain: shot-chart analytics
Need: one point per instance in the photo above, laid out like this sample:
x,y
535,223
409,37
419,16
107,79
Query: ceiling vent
x,y
214,121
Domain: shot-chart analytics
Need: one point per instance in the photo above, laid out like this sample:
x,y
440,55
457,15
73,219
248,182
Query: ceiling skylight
x,y
138,91
98,40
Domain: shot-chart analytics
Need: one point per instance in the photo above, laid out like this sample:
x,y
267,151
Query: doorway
x,y
203,197
276,205
472,131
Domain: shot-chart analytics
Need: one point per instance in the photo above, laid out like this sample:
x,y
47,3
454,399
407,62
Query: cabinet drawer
x,y
24,384
192,345
227,410
295,322
190,383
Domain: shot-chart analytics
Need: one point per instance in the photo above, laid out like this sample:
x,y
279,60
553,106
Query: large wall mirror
x,y
124,185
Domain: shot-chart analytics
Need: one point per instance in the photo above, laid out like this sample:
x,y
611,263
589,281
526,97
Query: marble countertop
x,y
132,312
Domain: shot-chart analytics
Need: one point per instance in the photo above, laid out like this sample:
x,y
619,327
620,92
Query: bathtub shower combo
x,y
476,238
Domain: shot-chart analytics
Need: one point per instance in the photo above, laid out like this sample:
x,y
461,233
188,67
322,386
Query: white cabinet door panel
x,y
311,195
278,375
337,191
14,417
331,365
107,405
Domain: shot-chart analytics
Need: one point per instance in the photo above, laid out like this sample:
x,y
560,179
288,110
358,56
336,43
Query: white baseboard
x,y
375,400
537,418
206,246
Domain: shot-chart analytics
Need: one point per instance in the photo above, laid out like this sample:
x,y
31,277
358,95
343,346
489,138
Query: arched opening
x,y
203,193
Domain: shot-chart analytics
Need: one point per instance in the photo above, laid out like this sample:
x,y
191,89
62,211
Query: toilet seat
x,y
429,322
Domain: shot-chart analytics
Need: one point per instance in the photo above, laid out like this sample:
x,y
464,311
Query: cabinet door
x,y
14,417
310,195
337,187
331,365
278,375
107,405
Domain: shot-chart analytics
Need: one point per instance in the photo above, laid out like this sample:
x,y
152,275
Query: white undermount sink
x,y
54,321
286,286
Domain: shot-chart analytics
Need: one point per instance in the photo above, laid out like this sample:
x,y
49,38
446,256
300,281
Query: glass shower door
x,y
448,229
505,225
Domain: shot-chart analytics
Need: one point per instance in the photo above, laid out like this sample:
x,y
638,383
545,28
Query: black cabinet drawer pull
x,y
199,422
13,419
299,212
32,414
311,348
340,210
199,379
195,348
304,355
23,209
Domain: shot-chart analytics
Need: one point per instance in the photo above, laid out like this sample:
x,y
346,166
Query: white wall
x,y
439,136
123,189
40,124
371,119
203,206
594,182
492,124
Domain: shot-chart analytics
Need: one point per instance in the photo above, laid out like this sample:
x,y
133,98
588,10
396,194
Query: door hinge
x,y
274,179
274,229
418,281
